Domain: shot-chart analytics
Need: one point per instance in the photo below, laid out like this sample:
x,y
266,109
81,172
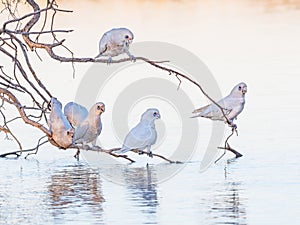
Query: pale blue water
x,y
256,189
252,41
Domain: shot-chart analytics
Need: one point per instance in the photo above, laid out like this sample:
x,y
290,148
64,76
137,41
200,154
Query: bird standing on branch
x,y
232,105
143,135
115,42
88,131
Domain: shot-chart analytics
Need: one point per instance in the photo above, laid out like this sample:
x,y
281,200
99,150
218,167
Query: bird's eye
x,y
240,88
98,107
126,36
155,114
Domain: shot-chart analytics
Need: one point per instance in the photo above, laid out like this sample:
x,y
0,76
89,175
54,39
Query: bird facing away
x,y
61,130
143,135
233,105
89,129
115,42
75,113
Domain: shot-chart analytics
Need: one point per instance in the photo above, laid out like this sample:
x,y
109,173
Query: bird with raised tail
x,y
115,42
90,128
60,128
233,105
75,113
143,135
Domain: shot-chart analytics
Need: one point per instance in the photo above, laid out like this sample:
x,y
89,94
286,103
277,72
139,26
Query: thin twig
x,y
99,149
14,101
9,131
228,148
157,155
18,153
37,147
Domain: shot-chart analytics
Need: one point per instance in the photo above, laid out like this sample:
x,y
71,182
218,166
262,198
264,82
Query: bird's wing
x,y
104,42
102,49
212,111
81,130
138,137
235,105
75,113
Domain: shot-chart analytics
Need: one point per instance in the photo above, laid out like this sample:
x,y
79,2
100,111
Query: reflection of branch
x,y
227,147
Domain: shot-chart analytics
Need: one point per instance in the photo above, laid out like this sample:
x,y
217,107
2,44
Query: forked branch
x,y
227,147
11,44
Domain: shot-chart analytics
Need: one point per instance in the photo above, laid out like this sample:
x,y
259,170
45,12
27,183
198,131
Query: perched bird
x,y
75,113
143,135
233,105
90,128
115,42
61,130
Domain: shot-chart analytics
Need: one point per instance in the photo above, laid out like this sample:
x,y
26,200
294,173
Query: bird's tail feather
x,y
201,109
99,55
121,151
198,115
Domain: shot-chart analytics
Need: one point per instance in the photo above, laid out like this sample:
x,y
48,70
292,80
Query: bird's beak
x,y
158,116
129,41
102,108
244,91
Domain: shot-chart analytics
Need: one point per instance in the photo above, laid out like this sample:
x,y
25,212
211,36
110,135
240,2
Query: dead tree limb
x,y
49,48
227,147
10,44
8,97
156,155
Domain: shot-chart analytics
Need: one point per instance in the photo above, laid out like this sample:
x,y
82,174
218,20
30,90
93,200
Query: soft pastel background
x,y
255,41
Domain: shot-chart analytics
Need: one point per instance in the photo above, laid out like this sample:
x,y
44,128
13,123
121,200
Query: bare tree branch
x,y
49,49
11,99
228,148
16,85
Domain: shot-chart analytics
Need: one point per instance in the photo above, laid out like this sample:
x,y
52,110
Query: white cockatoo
x,y
90,128
115,42
233,105
61,130
75,113
143,135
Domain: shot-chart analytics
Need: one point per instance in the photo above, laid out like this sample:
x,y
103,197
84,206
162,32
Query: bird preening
x,y
60,128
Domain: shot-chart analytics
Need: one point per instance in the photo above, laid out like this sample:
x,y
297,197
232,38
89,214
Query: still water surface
x,y
252,41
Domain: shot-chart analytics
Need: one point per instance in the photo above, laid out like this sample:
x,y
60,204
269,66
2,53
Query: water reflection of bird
x,y
143,135
141,183
233,105
115,42
226,205
75,186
